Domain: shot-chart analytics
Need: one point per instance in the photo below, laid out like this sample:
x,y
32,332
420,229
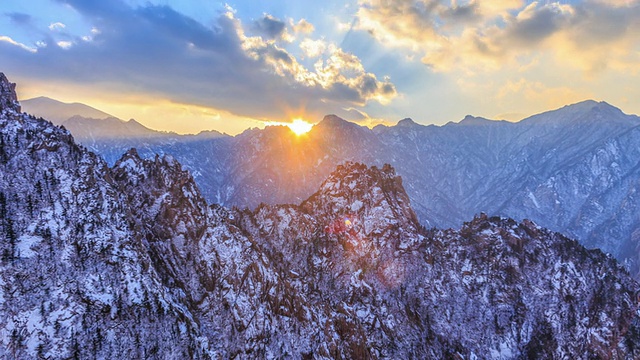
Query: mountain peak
x,y
407,122
588,111
368,192
8,97
210,134
475,120
130,163
58,112
350,178
332,121
592,105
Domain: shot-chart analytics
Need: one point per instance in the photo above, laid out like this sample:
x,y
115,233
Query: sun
x,y
299,126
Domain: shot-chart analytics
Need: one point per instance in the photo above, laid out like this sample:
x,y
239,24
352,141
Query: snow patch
x,y
534,200
24,245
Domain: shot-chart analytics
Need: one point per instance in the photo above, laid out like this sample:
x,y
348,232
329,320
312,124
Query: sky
x,y
187,66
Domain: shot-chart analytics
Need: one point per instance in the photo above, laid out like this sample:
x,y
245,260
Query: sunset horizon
x,y
300,126
191,66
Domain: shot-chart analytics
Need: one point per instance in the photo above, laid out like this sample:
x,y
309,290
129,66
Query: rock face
x,y
8,97
131,262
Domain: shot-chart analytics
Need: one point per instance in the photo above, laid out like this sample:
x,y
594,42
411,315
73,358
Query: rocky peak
x,y
369,196
592,107
470,120
129,167
406,122
8,97
585,112
168,214
161,174
332,122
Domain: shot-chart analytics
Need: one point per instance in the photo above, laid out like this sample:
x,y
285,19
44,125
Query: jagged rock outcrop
x,y
130,261
494,289
8,97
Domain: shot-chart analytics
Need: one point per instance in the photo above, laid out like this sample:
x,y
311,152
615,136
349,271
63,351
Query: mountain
x,y
110,136
58,112
107,128
129,261
572,170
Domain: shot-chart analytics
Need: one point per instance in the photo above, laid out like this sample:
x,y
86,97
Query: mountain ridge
x,y
331,118
58,111
569,169
130,261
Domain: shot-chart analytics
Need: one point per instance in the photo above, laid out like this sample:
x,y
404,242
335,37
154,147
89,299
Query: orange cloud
x,y
483,35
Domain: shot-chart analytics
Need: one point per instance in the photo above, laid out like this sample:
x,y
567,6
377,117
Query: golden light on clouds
x,y
299,126
433,61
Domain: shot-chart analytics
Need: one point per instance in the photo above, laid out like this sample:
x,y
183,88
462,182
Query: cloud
x,y
534,24
538,93
356,115
303,26
464,14
8,40
339,77
482,35
64,44
313,48
19,18
157,51
57,26
404,23
619,3
270,27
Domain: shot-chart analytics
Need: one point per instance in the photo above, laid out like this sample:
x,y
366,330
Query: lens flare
x,y
299,126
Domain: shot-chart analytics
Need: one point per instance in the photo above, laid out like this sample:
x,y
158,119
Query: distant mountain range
x,y
58,112
104,133
87,123
129,260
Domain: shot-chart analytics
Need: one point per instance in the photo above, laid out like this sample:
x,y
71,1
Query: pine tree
x,y
3,206
11,236
3,151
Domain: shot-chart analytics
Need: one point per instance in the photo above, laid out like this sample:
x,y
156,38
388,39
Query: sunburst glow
x,y
300,126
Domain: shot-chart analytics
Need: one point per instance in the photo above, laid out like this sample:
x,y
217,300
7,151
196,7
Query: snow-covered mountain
x,y
573,170
129,261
